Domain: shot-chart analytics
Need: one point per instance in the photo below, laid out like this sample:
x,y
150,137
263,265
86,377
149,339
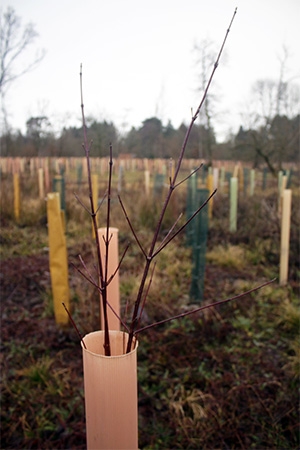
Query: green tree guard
x,y
246,179
265,174
289,180
252,181
59,186
79,173
191,207
199,247
159,182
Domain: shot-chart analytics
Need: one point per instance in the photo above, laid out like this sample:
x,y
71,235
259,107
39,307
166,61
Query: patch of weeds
x,y
289,318
37,372
44,403
22,241
231,256
48,305
292,366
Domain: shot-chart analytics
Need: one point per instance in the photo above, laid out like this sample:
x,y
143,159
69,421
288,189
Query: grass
x,y
231,256
224,378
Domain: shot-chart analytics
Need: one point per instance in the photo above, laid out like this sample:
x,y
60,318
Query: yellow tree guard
x,y
113,289
17,196
110,387
58,259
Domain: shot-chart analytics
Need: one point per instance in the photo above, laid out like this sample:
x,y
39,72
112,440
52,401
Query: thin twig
x,y
107,240
152,253
184,225
74,325
99,289
189,176
117,316
82,204
86,269
201,308
100,204
103,290
131,227
168,234
146,294
96,285
120,262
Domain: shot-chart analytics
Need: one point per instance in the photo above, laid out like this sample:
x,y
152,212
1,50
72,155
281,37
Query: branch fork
x,y
133,328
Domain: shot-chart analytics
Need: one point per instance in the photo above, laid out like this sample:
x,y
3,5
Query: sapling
x,y
102,281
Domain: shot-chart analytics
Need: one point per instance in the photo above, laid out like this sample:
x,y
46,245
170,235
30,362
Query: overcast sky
x,y
138,59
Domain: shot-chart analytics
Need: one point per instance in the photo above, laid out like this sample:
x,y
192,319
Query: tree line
x,y
269,133
270,144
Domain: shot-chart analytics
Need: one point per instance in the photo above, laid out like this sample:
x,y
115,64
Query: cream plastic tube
x,y
110,387
113,289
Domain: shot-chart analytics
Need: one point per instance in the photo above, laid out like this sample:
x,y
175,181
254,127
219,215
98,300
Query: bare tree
x,y
273,108
14,42
205,58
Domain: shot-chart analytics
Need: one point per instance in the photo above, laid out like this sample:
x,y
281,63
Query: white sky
x,y
138,58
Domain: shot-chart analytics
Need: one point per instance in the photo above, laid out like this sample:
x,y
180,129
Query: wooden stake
x,y
233,204
147,182
285,235
17,196
210,187
41,183
215,177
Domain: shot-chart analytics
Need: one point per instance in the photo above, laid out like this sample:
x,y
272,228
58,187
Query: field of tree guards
x,y
149,276
225,377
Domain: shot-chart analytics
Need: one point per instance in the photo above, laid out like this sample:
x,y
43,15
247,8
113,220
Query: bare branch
x,y
131,227
189,176
93,283
120,262
146,295
167,235
13,43
90,280
82,204
86,269
103,280
74,325
188,313
185,224
152,253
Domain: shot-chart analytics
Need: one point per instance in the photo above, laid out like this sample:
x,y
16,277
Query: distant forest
x,y
272,143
